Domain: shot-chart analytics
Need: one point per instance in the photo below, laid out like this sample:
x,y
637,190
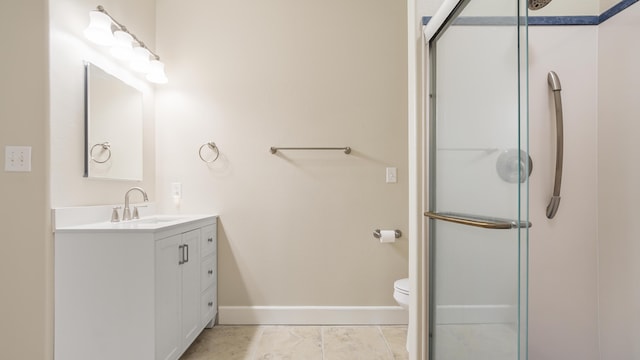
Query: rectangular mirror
x,y
113,127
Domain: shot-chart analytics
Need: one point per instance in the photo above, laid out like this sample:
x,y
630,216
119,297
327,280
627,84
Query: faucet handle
x,y
114,214
135,211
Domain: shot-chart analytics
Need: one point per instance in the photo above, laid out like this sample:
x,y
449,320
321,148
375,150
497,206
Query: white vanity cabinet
x,y
133,292
208,276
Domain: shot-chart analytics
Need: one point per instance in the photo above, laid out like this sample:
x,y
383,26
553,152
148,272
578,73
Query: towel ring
x,y
211,146
105,146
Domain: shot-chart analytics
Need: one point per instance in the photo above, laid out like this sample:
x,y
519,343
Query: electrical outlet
x,y
17,158
176,190
392,175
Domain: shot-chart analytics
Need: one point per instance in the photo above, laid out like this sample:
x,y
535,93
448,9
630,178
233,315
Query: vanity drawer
x,y
208,240
208,306
207,272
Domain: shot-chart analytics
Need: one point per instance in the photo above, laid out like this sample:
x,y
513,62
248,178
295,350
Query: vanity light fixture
x,y
122,48
99,29
156,72
104,30
140,60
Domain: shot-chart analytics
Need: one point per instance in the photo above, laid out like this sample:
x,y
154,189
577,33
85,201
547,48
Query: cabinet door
x,y
207,272
208,307
168,283
191,287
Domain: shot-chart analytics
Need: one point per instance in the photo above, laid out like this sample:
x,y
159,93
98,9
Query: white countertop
x,y
89,219
146,224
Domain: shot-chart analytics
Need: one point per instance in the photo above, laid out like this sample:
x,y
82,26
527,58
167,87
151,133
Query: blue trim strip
x,y
615,10
563,20
511,20
543,20
486,20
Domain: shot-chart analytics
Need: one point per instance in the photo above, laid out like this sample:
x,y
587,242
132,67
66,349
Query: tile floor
x,y
300,343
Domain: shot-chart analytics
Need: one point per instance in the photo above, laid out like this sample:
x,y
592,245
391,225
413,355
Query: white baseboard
x,y
312,315
476,314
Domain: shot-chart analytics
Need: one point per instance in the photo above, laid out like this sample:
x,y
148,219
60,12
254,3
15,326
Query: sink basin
x,y
154,222
158,219
150,223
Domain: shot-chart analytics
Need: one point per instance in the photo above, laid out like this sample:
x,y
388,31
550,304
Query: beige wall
x,y
26,326
618,179
68,50
296,227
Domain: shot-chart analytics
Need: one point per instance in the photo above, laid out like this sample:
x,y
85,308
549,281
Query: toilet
x,y
401,294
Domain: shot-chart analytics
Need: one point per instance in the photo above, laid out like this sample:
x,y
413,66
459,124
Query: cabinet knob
x,y
210,239
210,272
210,303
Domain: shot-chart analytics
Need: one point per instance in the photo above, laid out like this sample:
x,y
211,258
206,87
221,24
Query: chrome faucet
x,y
126,215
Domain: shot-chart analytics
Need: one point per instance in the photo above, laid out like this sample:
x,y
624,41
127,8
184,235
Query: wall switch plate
x,y
17,158
392,175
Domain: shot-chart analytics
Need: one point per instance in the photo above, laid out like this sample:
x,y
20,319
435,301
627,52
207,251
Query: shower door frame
x,y
452,8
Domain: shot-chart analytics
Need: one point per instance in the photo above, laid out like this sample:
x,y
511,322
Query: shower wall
x,y
618,180
563,251
605,4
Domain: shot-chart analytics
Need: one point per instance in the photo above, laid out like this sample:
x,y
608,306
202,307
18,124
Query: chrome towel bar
x,y
478,221
346,149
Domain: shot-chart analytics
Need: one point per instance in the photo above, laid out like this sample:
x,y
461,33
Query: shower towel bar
x,y
478,221
346,149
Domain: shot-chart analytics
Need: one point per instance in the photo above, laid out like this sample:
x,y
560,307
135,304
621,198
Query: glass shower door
x,y
478,181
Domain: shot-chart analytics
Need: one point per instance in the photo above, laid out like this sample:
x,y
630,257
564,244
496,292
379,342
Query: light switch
x,y
392,175
17,158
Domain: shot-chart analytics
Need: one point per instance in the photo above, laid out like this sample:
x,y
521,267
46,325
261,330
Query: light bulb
x,y
156,72
99,29
140,60
122,48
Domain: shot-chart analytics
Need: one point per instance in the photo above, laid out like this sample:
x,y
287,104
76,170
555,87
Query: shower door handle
x,y
485,222
554,203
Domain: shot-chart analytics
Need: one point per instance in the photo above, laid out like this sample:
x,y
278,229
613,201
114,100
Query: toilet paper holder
x,y
377,234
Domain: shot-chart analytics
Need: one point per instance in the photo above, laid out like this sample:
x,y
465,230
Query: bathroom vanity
x,y
141,289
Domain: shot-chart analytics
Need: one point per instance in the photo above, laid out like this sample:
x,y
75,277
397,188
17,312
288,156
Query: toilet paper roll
x,y
387,236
